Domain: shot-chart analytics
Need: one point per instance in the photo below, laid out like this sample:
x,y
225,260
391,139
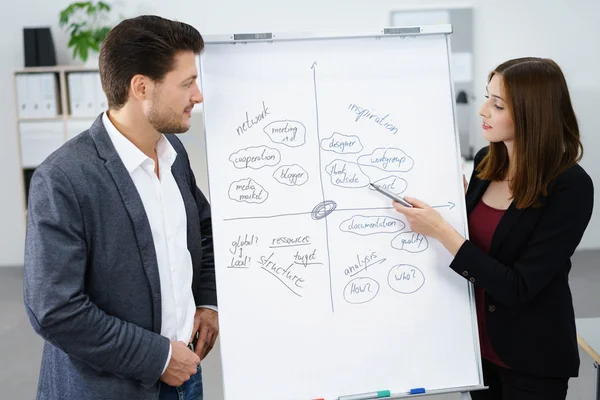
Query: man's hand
x,y
206,323
183,364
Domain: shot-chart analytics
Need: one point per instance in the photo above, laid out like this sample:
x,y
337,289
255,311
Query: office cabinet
x,y
53,105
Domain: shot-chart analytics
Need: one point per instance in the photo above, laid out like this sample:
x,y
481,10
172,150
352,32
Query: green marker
x,y
365,396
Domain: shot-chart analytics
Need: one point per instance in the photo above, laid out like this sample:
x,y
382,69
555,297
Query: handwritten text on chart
x,y
250,122
361,290
247,191
291,175
238,259
306,258
255,157
285,241
370,225
405,278
388,159
363,263
411,242
342,144
346,174
285,274
238,245
240,262
288,132
392,183
370,115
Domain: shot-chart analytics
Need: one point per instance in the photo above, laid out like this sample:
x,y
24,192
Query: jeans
x,y
190,390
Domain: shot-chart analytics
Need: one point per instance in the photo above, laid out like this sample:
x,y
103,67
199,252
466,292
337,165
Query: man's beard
x,y
166,120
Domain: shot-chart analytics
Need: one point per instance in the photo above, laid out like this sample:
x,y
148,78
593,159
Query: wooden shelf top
x,y
59,118
57,68
41,119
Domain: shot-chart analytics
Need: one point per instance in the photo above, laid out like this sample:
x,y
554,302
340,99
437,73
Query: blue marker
x,y
365,396
417,391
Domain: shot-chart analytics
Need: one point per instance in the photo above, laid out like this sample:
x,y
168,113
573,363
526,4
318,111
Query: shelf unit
x,y
38,137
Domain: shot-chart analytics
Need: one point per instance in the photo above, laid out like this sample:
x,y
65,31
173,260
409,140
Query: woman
x,y
528,204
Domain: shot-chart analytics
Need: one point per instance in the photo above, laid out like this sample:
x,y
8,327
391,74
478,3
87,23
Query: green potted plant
x,y
88,24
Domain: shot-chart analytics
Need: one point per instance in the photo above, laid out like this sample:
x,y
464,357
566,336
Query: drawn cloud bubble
x,y
393,183
291,175
370,225
247,191
361,290
287,132
389,159
411,242
406,278
346,174
342,144
255,157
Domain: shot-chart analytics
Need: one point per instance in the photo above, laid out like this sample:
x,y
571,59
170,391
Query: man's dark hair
x,y
144,45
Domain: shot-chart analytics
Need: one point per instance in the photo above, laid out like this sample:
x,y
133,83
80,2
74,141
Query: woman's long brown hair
x,y
546,131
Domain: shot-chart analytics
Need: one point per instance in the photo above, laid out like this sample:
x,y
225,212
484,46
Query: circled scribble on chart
x,y
323,209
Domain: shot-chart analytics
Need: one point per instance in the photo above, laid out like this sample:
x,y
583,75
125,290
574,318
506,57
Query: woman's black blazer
x,y
528,303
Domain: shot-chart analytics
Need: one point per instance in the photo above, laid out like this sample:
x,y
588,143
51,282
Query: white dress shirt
x,y
166,214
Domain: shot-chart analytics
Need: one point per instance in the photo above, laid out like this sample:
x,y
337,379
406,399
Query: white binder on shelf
x,y
34,94
74,82
24,109
82,94
89,94
48,90
99,95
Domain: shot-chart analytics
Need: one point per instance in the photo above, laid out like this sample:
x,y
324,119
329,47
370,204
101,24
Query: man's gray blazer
x,y
92,288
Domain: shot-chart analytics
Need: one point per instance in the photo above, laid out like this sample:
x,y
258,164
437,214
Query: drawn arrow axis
x,y
450,205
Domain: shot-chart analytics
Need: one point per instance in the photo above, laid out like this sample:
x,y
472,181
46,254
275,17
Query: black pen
x,y
391,195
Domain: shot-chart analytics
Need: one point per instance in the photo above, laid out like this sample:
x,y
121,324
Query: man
x,y
119,270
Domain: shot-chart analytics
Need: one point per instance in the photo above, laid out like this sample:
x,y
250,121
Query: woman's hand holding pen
x,y
428,222
422,218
